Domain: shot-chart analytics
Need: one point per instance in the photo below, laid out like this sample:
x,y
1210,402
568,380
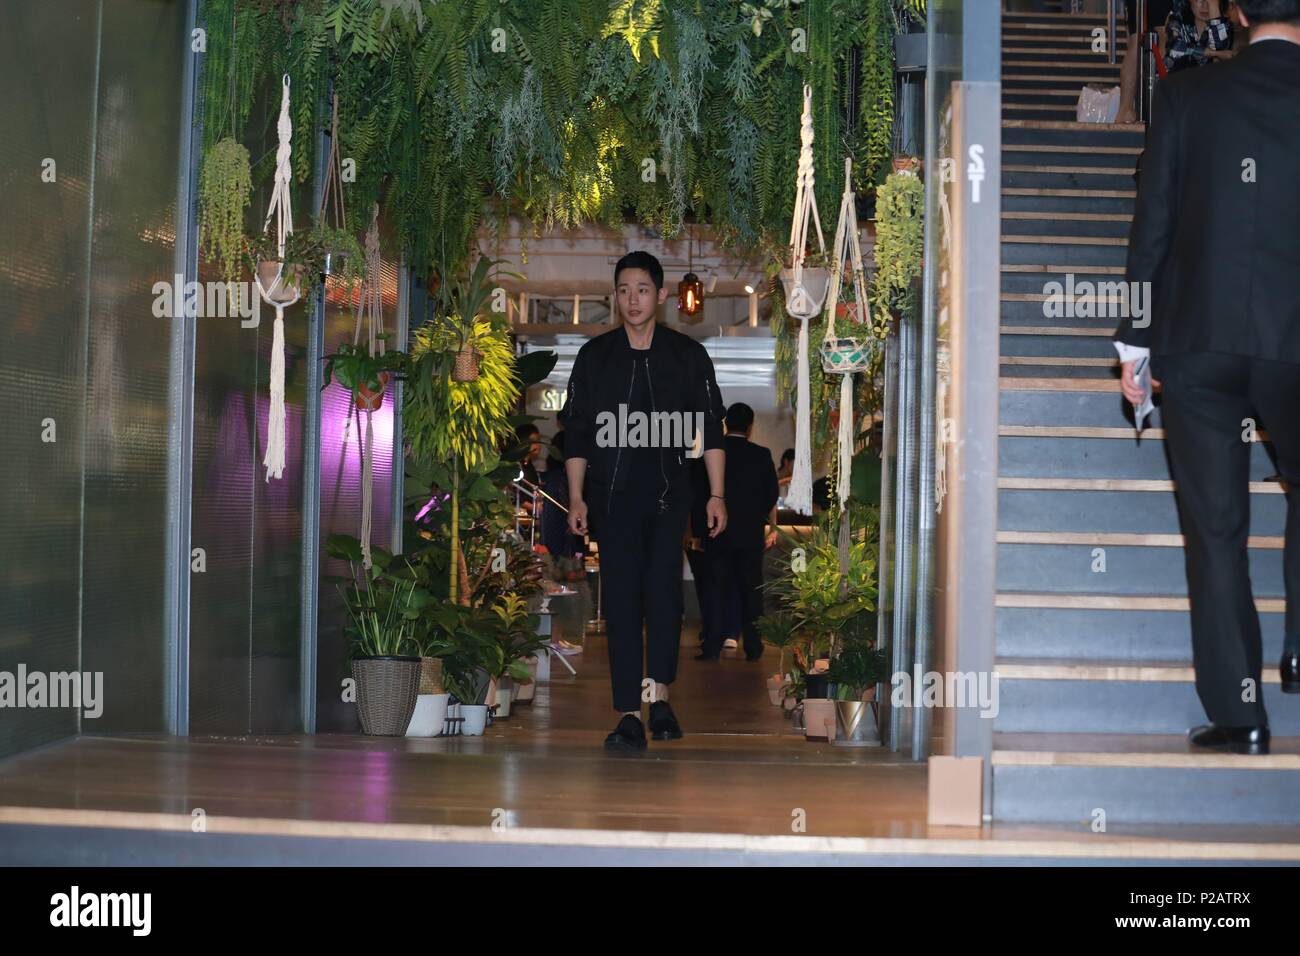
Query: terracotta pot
x,y
285,290
369,401
907,164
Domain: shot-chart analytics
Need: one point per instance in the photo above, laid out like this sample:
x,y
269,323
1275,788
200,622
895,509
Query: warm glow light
x,y
690,294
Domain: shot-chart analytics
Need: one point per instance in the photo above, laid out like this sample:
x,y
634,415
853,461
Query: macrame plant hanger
x,y
278,292
803,303
845,355
370,309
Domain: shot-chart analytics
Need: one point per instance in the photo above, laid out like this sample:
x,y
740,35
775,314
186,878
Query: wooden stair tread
x,y
1070,193
1115,602
1077,270
1133,750
1067,148
1140,672
1073,125
1082,170
1053,330
1124,539
1034,384
1069,216
1068,240
1016,483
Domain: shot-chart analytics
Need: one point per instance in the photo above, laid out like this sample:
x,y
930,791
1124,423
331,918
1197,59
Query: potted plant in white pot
x,y
383,610
468,665
516,633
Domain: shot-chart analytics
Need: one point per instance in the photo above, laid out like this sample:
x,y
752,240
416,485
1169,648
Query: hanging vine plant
x,y
225,191
566,111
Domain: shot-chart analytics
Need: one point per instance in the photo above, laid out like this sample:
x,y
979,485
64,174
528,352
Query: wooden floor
x,y
738,776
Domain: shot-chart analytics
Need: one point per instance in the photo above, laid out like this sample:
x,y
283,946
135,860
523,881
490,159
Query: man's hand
x,y
770,541
716,510
1128,385
578,516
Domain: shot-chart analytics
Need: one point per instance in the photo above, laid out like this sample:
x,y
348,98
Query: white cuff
x,y
1128,353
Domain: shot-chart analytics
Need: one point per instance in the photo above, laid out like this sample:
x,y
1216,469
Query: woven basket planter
x,y
386,692
466,367
843,356
431,675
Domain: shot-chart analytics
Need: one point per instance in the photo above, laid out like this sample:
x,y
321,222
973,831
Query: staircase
x,y
1095,670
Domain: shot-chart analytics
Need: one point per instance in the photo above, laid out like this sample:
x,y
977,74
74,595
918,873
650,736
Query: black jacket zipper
x,y
658,451
609,506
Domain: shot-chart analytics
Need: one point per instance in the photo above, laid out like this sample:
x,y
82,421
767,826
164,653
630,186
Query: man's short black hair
x,y
1271,11
739,417
641,260
525,432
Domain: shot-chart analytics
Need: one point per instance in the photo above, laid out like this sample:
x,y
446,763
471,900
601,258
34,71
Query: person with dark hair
x,y
639,397
1197,32
1212,240
736,555
1157,13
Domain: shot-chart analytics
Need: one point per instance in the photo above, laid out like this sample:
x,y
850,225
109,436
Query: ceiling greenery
x,y
665,112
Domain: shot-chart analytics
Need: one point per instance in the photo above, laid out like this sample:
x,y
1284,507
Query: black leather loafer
x,y
1290,671
1239,740
628,735
663,723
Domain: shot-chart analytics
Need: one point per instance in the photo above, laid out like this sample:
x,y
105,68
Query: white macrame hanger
x,y
799,496
847,246
281,210
370,306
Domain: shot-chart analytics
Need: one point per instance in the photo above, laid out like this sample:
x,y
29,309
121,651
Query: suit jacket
x,y
751,493
1218,208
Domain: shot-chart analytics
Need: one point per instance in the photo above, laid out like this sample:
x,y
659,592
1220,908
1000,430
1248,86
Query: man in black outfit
x,y
1214,235
736,555
637,397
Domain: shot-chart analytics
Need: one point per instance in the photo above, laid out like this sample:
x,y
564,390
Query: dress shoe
x,y
663,723
628,735
1290,671
1239,740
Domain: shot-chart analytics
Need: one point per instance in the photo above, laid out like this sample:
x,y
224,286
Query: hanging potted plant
x,y
383,608
366,376
806,294
284,279
847,346
225,191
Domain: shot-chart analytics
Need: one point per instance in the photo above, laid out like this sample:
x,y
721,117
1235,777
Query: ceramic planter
x,y
430,715
387,688
819,718
475,719
805,299
846,355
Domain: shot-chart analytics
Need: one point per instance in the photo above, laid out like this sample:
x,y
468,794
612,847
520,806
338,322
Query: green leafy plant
x,y
384,605
225,191
303,252
355,369
346,258
515,630
858,667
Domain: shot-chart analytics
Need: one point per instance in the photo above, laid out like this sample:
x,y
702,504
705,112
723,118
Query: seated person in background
x,y
1196,33
1157,13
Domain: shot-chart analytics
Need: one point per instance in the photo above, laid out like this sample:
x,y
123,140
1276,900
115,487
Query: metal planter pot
x,y
387,688
856,724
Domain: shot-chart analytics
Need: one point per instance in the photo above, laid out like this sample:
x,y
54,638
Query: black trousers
x,y
735,570
699,562
1206,397
641,585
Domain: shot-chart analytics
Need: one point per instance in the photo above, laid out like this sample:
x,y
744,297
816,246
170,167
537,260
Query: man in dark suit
x,y
1214,237
736,555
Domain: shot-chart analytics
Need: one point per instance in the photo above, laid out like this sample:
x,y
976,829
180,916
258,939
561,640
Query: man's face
x,y
637,297
535,447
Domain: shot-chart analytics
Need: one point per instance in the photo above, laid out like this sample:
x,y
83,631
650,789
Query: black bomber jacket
x,y
681,380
